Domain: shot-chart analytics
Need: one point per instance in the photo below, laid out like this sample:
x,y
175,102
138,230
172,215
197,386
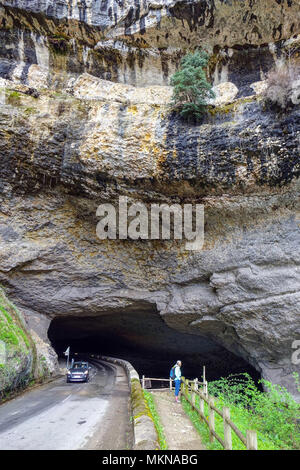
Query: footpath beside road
x,y
179,432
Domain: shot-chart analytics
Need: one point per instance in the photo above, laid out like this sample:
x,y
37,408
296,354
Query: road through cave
x,y
147,342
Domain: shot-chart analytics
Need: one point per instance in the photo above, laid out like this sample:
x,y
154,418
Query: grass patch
x,y
30,110
16,349
273,414
7,334
199,425
155,417
240,419
10,331
13,97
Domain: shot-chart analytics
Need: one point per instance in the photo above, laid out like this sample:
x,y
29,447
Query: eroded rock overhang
x,y
81,140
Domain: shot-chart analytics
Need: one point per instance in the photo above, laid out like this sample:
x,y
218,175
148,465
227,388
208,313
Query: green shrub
x,y
10,331
191,88
238,415
18,353
274,413
13,97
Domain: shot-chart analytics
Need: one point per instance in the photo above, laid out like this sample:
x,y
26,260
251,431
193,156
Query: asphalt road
x,y
59,416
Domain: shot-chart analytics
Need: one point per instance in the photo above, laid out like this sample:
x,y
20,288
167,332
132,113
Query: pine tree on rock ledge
x,y
191,88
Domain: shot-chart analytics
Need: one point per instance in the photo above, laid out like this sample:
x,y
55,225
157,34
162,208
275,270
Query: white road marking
x,y
67,398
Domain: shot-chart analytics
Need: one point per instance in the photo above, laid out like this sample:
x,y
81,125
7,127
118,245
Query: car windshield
x,y
77,365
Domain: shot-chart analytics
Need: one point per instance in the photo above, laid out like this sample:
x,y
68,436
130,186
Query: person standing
x,y
177,379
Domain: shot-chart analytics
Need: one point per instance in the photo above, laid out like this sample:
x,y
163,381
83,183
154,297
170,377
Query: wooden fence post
x,y
205,388
227,429
193,393
211,419
143,382
195,389
182,386
170,384
251,440
201,405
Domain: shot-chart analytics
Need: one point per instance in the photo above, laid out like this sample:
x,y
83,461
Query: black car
x,y
79,372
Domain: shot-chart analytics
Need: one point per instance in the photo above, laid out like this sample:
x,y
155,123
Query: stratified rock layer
x,y
141,43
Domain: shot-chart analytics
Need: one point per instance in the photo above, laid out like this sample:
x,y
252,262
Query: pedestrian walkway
x,y
179,432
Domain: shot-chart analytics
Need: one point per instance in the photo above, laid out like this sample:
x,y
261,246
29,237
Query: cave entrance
x,y
147,342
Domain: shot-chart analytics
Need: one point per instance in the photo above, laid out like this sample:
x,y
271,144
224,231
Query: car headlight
x,y
86,372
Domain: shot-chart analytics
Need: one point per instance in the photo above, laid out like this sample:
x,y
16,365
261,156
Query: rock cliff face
x,y
84,118
23,356
141,43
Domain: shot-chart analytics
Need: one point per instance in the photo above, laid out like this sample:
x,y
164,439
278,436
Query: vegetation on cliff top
x,y
191,88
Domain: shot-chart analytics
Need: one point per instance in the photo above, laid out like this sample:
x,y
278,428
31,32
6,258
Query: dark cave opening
x,y
145,340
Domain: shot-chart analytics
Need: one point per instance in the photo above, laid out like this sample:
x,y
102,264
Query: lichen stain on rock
x,y
141,45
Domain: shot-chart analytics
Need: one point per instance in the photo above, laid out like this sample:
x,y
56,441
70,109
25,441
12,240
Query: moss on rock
x,y
138,402
19,362
143,419
230,107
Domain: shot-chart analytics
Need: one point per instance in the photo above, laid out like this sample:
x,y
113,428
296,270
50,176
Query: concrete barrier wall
x,y
145,435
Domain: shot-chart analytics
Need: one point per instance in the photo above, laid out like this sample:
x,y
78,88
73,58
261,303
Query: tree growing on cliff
x,y
191,87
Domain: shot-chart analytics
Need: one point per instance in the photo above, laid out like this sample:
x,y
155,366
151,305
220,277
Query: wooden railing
x,y
145,381
145,384
190,390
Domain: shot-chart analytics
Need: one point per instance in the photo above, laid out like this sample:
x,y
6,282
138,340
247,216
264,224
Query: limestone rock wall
x,y
84,118
63,155
141,43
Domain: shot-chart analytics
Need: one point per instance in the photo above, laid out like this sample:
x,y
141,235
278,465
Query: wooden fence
x,y
190,390
147,384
